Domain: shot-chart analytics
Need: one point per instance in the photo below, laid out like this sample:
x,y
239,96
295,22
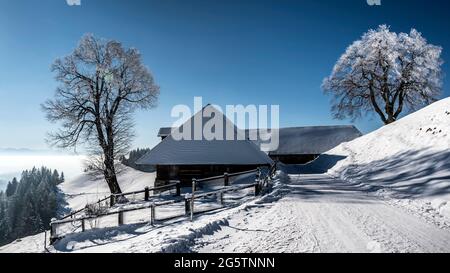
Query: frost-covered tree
x,y
101,85
387,73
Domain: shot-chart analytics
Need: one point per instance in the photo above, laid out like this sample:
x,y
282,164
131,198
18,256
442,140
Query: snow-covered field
x,y
388,191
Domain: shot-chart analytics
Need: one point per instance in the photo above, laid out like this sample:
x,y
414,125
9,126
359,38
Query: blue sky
x,y
229,52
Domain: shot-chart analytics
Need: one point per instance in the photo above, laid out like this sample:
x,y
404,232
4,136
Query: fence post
x,y
194,185
187,206
52,231
178,187
226,180
221,198
111,200
153,216
257,189
273,170
82,225
45,240
191,210
147,194
120,216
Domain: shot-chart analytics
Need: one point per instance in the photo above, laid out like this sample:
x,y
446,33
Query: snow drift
x,y
408,159
87,188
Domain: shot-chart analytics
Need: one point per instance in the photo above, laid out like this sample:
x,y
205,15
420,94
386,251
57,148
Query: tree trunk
x,y
390,113
390,120
375,105
110,175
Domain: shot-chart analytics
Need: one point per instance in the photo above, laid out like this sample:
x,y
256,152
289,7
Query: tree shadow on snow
x,y
422,173
322,187
419,173
321,165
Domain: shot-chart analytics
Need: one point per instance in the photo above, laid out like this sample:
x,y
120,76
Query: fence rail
x,y
114,198
111,199
261,181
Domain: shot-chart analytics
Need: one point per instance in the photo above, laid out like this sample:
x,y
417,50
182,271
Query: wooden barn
x,y
186,159
300,145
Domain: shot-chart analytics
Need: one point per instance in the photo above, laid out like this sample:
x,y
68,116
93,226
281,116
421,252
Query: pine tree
x,y
133,156
31,204
55,177
62,179
29,221
11,187
4,227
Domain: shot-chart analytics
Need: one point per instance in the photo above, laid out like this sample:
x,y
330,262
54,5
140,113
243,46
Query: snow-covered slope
x,y
175,235
87,188
408,159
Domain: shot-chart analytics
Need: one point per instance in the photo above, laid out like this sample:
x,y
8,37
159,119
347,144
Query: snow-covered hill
x,y
391,194
409,159
87,188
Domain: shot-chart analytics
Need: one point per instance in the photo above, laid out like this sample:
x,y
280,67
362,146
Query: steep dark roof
x,y
205,152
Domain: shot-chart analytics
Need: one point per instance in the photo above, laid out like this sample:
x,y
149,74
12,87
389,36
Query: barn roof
x,y
205,152
312,140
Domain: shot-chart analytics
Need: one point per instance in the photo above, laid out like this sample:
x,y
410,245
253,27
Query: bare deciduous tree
x,y
387,73
101,85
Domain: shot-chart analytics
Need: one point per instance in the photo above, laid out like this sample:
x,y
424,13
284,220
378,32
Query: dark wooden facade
x,y
294,159
185,173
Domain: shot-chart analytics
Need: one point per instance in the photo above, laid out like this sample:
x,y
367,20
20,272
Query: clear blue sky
x,y
229,52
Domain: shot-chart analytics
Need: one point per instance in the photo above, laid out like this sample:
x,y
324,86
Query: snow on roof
x,y
206,152
312,140
164,131
303,140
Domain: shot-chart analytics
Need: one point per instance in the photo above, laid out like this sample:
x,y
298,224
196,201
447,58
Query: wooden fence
x,y
262,181
114,199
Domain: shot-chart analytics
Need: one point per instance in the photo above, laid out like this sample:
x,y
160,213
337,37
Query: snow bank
x,y
407,159
87,188
30,244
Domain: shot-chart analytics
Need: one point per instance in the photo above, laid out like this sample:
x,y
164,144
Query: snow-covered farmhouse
x,y
188,158
300,145
185,159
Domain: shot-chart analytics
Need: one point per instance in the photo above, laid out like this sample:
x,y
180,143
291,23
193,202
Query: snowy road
x,y
322,214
